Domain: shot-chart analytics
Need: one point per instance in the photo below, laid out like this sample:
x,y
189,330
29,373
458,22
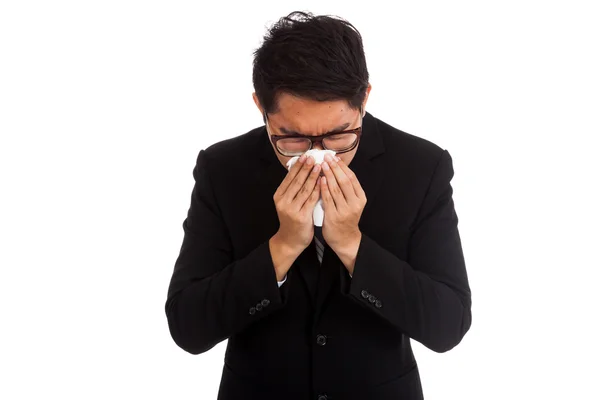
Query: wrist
x,y
284,246
283,256
348,252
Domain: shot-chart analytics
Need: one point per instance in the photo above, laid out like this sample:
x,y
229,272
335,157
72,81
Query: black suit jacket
x,y
335,336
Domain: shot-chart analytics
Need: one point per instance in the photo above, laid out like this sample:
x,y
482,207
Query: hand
x,y
295,199
343,203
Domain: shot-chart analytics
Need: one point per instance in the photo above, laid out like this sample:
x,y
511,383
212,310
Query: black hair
x,y
316,57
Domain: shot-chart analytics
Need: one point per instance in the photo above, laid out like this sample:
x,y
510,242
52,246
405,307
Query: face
x,y
312,118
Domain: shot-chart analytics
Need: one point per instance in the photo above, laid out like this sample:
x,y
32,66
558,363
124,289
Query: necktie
x,y
319,243
319,234
312,273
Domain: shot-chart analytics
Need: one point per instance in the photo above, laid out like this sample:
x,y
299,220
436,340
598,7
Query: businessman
x,y
319,313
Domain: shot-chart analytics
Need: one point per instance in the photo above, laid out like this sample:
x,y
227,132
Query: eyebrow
x,y
336,130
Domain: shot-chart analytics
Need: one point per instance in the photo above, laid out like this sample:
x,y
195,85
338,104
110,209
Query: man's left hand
x,y
343,203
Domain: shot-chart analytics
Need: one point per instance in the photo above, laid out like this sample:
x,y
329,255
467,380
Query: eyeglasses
x,y
296,145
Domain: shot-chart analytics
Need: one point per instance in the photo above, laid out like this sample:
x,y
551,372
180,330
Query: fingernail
x,y
328,157
303,158
337,158
325,166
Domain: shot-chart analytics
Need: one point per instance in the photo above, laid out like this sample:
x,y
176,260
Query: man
x,y
310,313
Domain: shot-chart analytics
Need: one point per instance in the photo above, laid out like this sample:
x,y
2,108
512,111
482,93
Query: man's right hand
x,y
295,200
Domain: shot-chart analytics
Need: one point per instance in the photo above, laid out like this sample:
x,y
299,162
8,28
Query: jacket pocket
x,y
406,386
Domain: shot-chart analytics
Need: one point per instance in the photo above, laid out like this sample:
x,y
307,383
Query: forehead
x,y
311,117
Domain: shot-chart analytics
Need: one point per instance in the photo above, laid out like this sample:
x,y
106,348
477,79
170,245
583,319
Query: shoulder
x,y
220,154
409,151
399,142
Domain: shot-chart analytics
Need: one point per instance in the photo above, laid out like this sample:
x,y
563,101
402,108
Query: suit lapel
x,y
369,171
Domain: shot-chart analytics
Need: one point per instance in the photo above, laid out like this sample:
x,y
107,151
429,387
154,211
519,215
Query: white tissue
x,y
319,156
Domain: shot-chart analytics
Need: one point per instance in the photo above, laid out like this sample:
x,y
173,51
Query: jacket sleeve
x,y
427,297
211,296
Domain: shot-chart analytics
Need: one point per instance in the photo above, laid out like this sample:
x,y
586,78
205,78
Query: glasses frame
x,y
317,139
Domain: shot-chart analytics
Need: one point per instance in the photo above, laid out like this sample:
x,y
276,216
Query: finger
x,y
332,185
299,180
308,186
312,199
328,202
342,181
290,176
358,190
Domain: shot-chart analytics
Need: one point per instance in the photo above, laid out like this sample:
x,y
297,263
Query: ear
x,y
364,105
257,102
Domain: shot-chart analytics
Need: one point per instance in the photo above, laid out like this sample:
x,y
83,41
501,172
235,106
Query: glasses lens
x,y
299,146
293,146
340,142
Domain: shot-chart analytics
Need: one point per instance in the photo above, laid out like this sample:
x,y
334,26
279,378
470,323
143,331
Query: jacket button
x,y
364,294
378,304
252,310
372,298
321,340
259,307
265,302
322,397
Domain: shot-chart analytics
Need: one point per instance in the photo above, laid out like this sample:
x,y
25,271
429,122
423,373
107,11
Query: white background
x,y
104,106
